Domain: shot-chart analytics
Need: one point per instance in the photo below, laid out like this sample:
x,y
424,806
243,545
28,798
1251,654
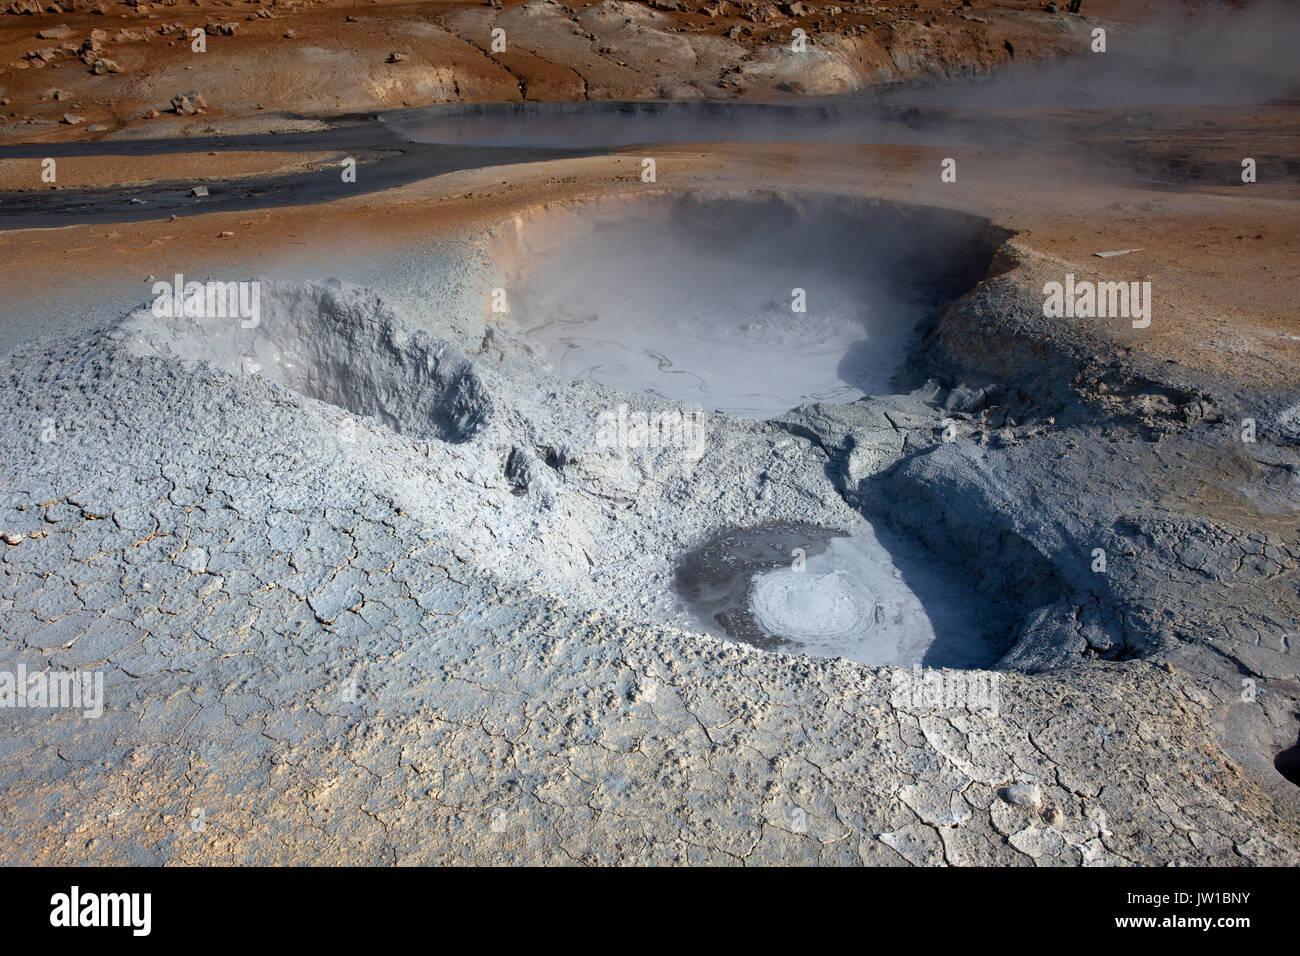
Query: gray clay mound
x,y
334,343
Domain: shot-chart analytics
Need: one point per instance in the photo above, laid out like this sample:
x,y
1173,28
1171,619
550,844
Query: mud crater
x,y
745,303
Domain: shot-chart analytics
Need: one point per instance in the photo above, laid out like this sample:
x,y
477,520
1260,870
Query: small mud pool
x,y
824,593
749,306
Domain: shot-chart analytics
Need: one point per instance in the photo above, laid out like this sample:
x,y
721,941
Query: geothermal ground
x,y
700,479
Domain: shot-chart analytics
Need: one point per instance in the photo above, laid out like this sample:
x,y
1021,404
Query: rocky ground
x,y
385,597
79,69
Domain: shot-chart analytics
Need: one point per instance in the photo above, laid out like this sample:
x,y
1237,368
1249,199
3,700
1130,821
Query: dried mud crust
x,y
320,637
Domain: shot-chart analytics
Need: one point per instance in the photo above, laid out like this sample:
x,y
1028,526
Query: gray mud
x,y
347,626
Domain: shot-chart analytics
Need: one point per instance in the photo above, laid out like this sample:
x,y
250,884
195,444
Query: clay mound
x,y
328,341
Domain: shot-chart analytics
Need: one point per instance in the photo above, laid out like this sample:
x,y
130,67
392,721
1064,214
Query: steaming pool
x,y
745,304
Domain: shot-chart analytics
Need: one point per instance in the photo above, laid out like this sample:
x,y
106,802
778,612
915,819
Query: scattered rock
x,y
186,104
1027,796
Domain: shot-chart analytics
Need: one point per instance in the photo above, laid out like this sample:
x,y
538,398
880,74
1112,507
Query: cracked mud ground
x,y
309,654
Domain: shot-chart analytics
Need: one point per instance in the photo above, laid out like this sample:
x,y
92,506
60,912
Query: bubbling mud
x,y
819,592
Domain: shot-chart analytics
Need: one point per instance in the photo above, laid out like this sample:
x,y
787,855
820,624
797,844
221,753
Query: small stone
x,y
1053,817
226,234
396,57
96,128
72,119
105,66
54,33
290,34
189,103
12,538
199,191
1027,796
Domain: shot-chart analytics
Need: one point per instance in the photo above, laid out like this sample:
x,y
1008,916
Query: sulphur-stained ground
x,y
280,65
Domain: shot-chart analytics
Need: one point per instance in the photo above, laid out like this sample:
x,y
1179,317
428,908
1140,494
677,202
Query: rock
x,y
186,104
290,34
54,33
151,114
100,67
1050,638
1027,796
225,234
72,119
199,191
12,538
396,57
96,128
25,6
796,9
